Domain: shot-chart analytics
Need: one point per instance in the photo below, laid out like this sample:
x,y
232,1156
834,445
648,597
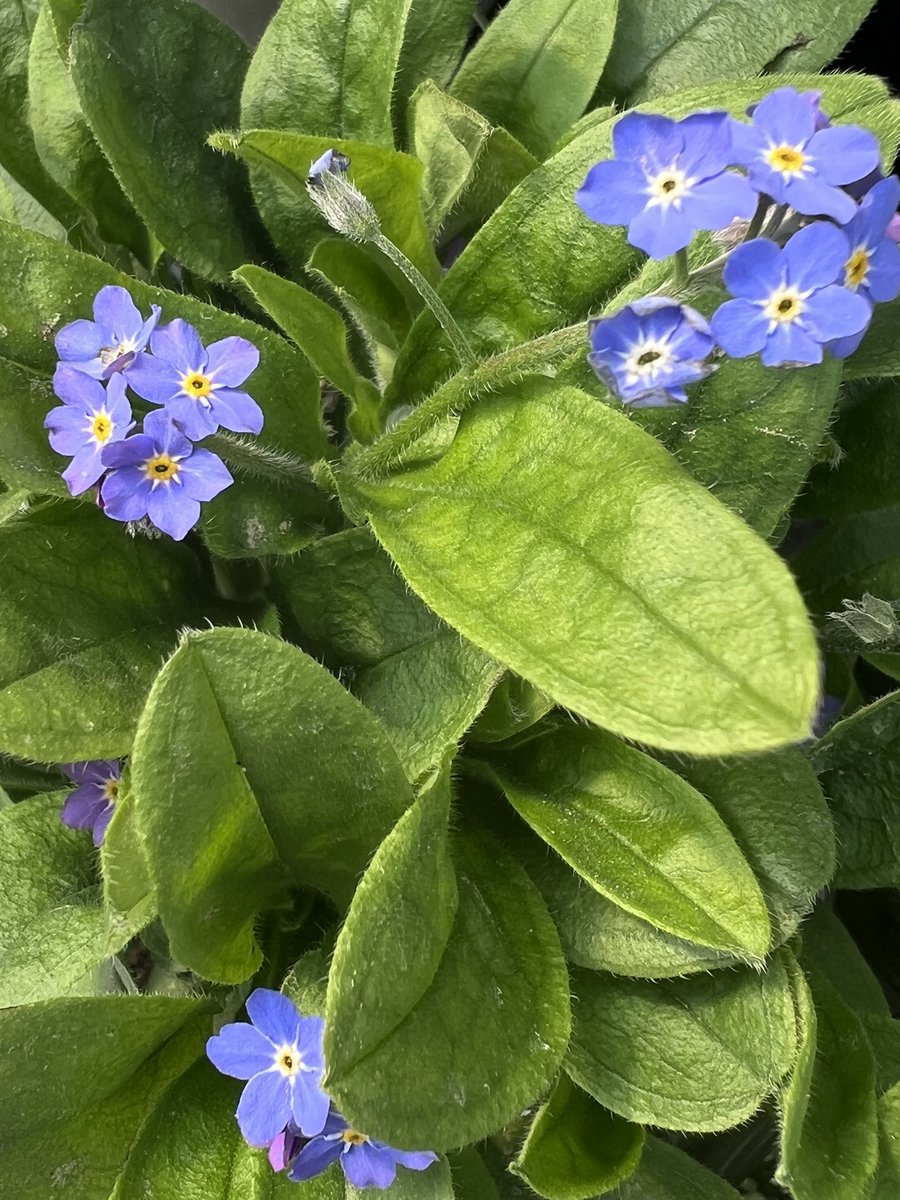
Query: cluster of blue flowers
x,y
827,252
157,473
284,1107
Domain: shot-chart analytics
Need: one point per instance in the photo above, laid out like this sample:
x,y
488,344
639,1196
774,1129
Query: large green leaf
x,y
53,928
327,68
639,834
60,1056
569,545
433,43
151,101
190,1148
86,614
535,68
829,950
667,1173
663,45
48,285
66,145
26,459
859,764
425,683
482,1020
693,1054
390,180
879,354
289,778
576,1149
829,1140
87,1152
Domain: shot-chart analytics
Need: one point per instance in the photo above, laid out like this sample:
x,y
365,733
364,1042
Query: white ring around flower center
x,y
110,354
784,305
668,187
787,160
646,359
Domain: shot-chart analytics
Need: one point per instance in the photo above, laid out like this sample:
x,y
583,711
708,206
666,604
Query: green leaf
x,y
433,43
588,795
575,1149
18,153
879,354
458,148
829,1142
151,101
390,180
886,1184
667,1173
471,1178
26,459
48,285
829,950
60,1056
692,1054
662,45
535,68
53,929
67,147
322,336
190,1148
256,733
327,69
86,613
485,1037
577,588
775,810
423,681
86,1153
859,766
849,557
515,705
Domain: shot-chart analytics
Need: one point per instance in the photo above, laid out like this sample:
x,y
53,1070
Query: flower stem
x,y
756,222
682,270
440,310
262,461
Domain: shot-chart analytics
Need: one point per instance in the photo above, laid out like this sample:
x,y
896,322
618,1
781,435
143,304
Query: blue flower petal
x,y
203,475
168,439
265,1107
613,193
844,153
740,327
231,361
813,197
276,1015
369,1166
80,390
883,280
715,203
315,1157
416,1160
125,494
659,232
175,513
240,1050
236,411
309,1104
844,347
83,807
130,452
179,343
154,379
647,136
84,470
814,257
195,420
707,143
790,344
80,343
102,823
833,312
116,314
69,429
785,116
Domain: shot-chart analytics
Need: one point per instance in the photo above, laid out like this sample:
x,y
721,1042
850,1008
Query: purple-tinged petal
x,y
883,279
231,361
116,313
813,197
714,203
661,231
613,193
785,116
236,411
309,1104
125,493
282,1150
179,344
130,452
265,1108
77,389
69,429
752,268
833,312
740,327
83,807
844,153
102,824
334,1124
194,419
815,256
173,512
203,475
416,1160
789,345
879,206
147,327
154,379
167,437
368,1166
275,1015
79,342
98,770
893,229
84,470
240,1050
314,1158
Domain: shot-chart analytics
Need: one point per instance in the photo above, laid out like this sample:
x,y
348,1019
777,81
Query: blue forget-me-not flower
x,y
789,303
90,417
668,179
364,1161
649,350
789,157
280,1055
92,803
199,386
112,341
159,474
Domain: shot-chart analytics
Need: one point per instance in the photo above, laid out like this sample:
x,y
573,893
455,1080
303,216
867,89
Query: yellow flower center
x,y
857,267
784,306
790,160
101,426
111,790
161,468
354,1138
288,1061
197,385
